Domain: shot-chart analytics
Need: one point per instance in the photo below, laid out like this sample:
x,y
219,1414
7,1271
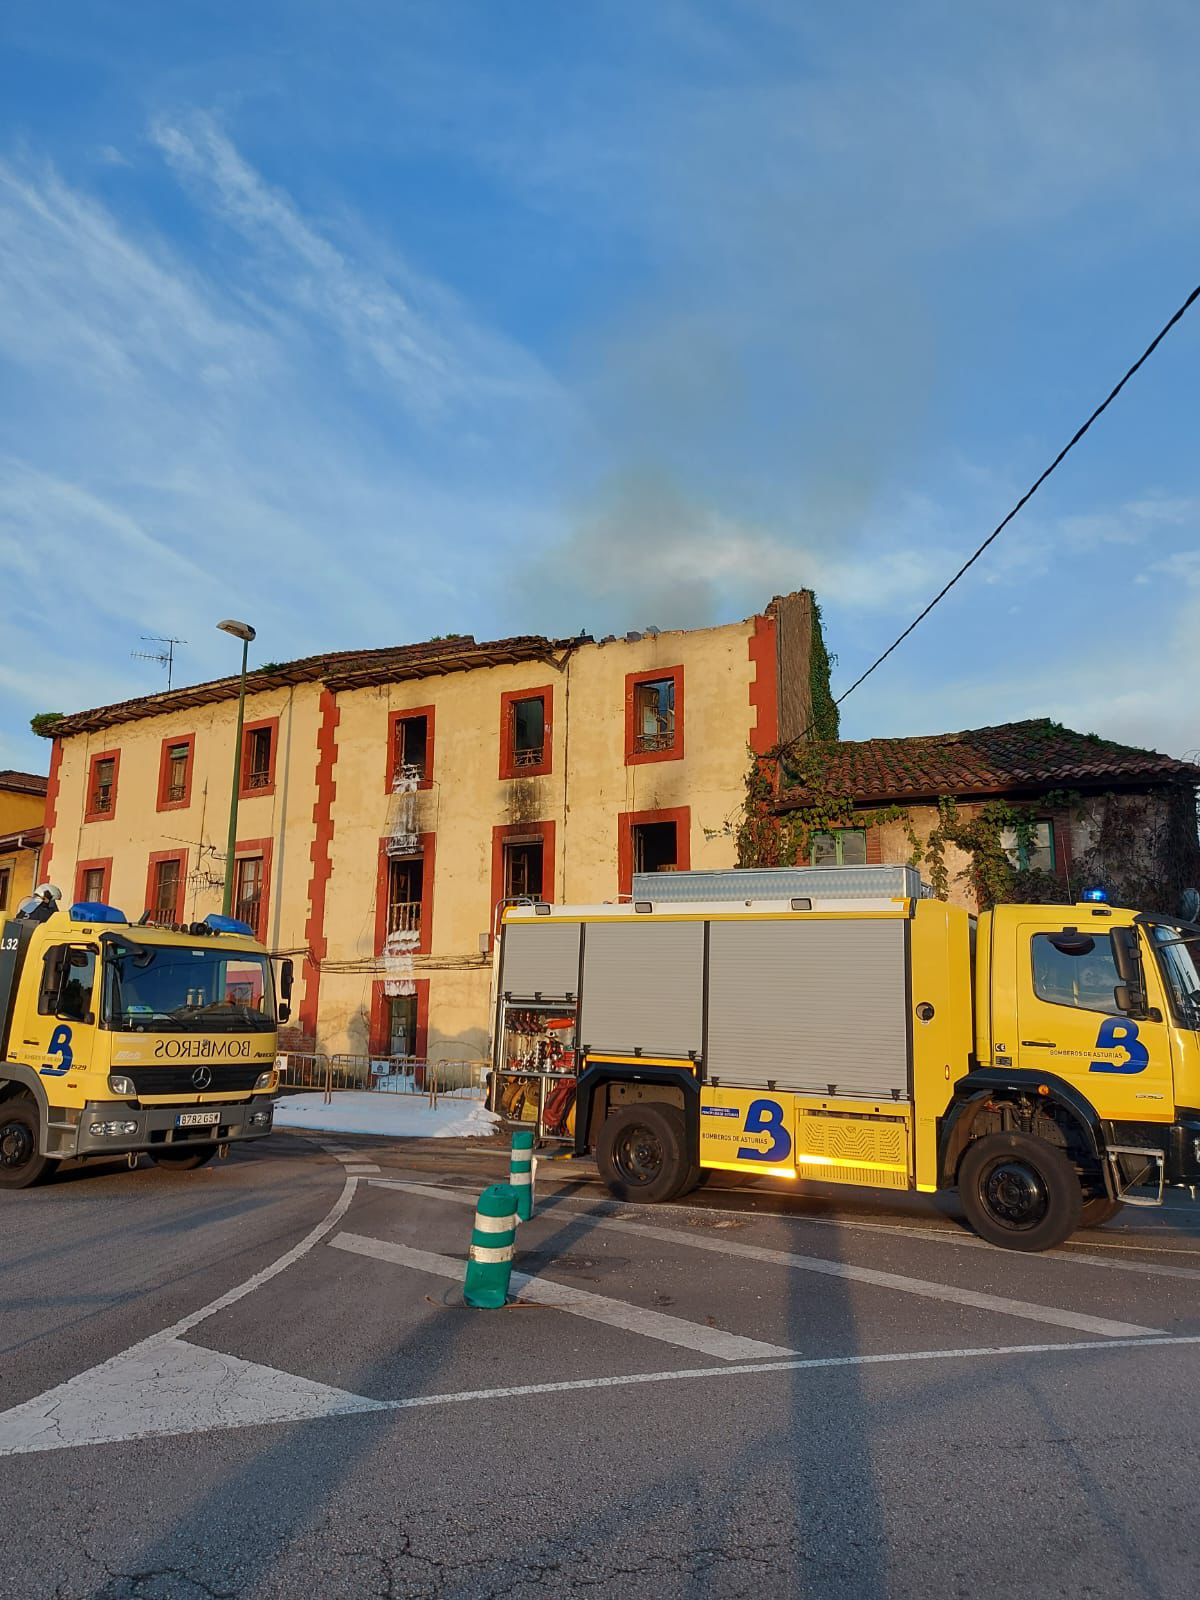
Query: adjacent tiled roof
x,y
343,669
1011,758
23,839
23,782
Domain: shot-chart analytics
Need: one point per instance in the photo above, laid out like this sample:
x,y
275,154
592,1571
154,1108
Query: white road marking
x,y
167,1386
949,1293
578,1302
273,1396
363,1170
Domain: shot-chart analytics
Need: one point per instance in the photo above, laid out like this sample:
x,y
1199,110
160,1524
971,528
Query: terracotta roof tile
x,y
1008,758
23,782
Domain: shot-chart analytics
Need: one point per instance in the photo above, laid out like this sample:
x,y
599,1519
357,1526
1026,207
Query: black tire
x,y
20,1165
642,1153
183,1158
1019,1192
1096,1213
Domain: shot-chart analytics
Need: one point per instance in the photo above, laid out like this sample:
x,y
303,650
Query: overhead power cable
x,y
1022,502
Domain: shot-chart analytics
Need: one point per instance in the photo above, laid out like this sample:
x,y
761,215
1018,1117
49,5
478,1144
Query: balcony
x,y
404,916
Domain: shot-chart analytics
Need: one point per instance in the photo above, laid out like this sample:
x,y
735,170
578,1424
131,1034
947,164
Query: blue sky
x,y
374,321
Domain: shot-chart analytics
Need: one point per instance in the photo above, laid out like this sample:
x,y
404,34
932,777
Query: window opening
x,y
401,1018
177,768
529,732
92,886
410,749
1075,970
406,880
166,891
68,978
103,777
1177,959
842,847
523,869
247,891
654,715
655,846
5,880
258,758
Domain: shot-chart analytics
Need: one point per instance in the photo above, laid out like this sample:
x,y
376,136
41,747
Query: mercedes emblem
x,y
202,1077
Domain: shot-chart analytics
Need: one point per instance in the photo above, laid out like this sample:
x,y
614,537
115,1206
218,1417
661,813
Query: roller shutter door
x,y
643,987
540,957
809,1005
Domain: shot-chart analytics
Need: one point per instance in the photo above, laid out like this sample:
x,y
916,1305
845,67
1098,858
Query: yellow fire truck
x,y
117,1038
839,1025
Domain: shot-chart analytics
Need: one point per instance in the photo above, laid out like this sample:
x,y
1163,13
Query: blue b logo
x,y
766,1116
1118,1033
60,1046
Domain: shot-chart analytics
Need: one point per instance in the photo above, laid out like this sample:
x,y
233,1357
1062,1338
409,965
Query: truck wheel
x,y
1019,1191
1097,1212
185,1158
642,1153
20,1164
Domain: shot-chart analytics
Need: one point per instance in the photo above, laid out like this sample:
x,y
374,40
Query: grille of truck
x,y
182,1080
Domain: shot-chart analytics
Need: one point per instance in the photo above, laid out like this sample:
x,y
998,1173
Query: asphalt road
x,y
259,1380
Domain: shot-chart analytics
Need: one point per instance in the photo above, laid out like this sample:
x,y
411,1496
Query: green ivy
x,y
43,724
825,718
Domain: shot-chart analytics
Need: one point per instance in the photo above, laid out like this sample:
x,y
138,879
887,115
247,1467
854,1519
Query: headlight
x,y
119,1084
266,1080
112,1130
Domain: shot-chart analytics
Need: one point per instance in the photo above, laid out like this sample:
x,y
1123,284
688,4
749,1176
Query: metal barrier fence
x,y
410,1075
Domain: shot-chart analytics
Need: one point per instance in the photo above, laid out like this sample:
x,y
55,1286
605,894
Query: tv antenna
x,y
165,658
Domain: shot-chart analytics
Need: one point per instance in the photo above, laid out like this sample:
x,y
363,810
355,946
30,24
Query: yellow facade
x,y
22,806
321,827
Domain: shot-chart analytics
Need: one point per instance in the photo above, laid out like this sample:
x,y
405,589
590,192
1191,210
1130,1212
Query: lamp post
x,y
244,632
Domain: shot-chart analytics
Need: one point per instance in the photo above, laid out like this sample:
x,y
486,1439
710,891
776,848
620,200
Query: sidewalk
x,y
393,1116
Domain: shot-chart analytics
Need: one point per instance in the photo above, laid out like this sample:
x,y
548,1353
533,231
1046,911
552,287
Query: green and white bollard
x,y
520,1171
490,1258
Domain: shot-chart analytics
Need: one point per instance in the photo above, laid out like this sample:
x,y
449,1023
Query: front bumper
x,y
155,1127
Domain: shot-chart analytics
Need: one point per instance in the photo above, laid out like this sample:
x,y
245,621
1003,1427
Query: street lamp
x,y
244,632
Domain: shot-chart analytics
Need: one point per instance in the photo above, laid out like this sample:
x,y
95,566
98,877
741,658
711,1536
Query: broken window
x,y
843,847
165,905
410,749
256,762
654,715
248,891
523,869
528,731
405,885
1033,852
655,846
175,788
104,785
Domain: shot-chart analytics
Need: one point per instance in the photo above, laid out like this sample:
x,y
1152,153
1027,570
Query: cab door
x,y
1070,1024
56,1035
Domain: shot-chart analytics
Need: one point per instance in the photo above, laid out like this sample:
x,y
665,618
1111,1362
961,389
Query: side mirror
x,y
1130,993
283,1012
286,978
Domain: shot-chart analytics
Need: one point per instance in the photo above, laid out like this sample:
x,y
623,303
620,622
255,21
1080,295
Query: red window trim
x,y
520,830
164,768
102,864
400,716
102,816
508,763
427,845
635,757
153,861
377,1038
245,792
265,849
681,816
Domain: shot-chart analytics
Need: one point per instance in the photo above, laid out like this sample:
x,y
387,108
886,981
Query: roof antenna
x,y
165,658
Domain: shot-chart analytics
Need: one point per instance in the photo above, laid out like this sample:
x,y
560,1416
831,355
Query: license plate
x,y
197,1119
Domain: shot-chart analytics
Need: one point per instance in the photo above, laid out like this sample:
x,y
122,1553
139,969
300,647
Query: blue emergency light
x,y
95,911
220,924
1098,895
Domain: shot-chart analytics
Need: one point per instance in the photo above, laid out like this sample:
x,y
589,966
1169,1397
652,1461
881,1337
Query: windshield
x,y
152,989
1177,962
